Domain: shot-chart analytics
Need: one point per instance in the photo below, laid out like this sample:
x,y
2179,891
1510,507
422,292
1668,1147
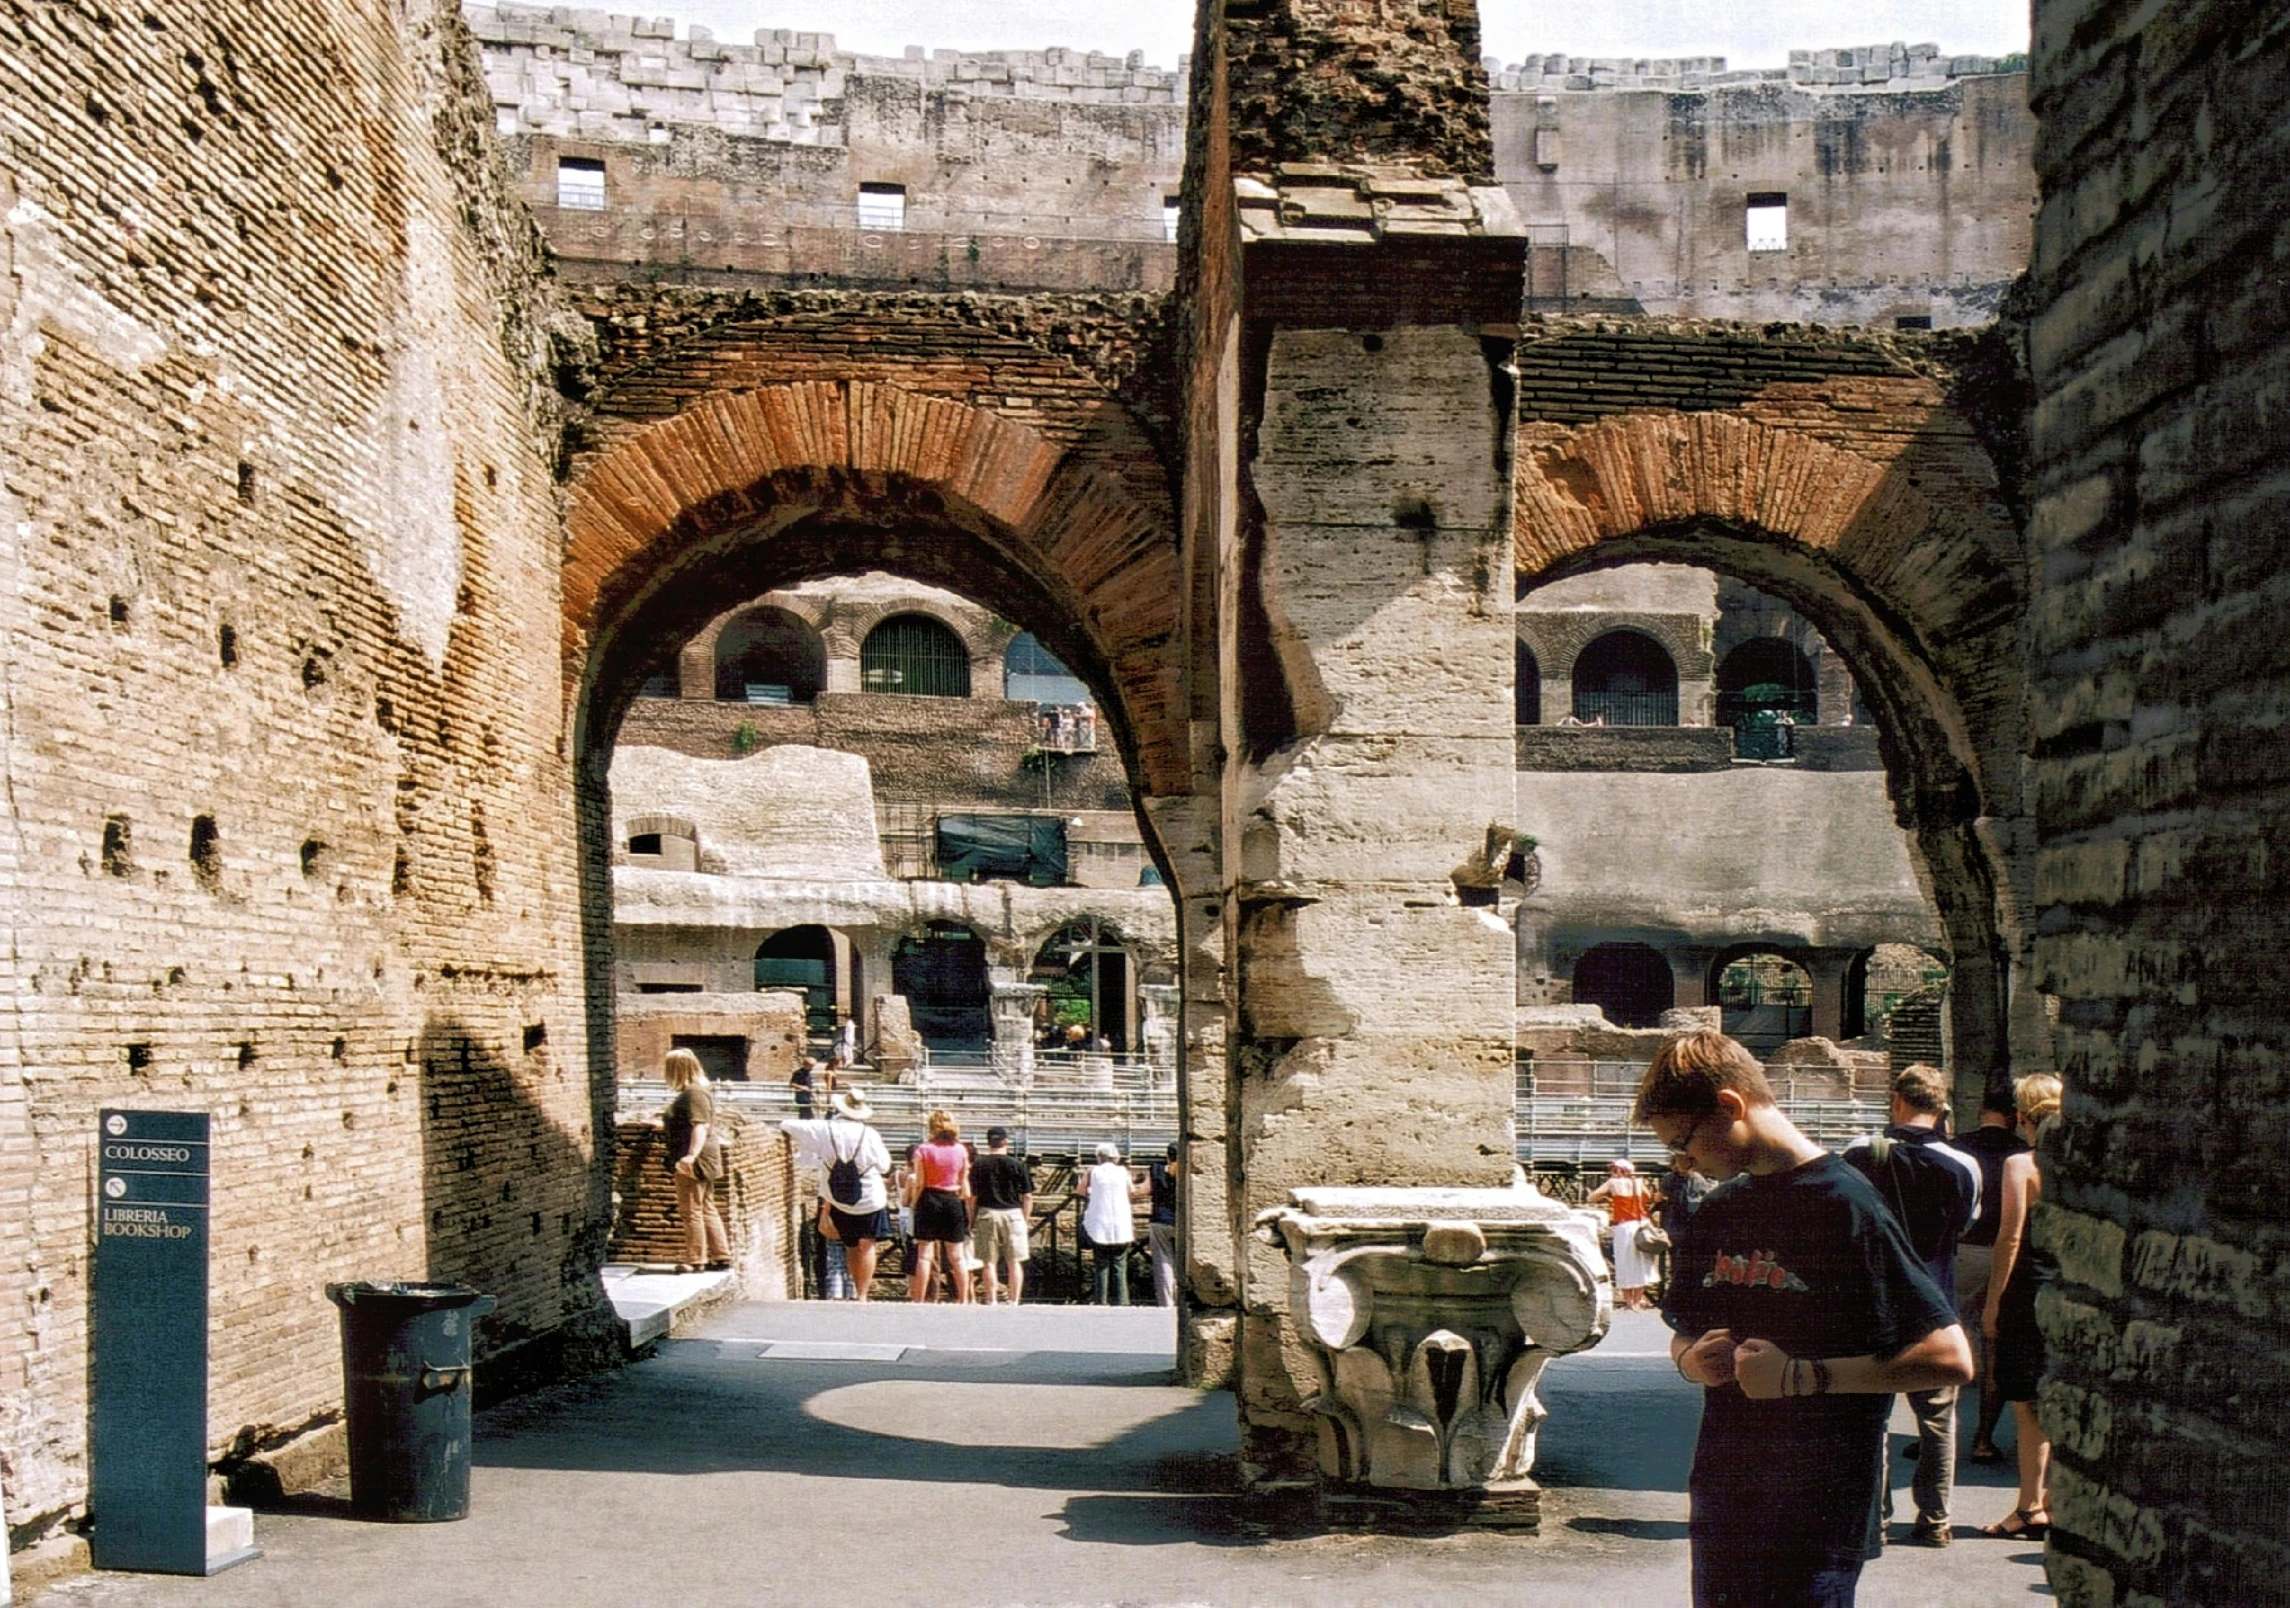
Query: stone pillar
x,y
1157,1010
1012,1006
1827,968
1689,977
1376,1011
696,668
1833,685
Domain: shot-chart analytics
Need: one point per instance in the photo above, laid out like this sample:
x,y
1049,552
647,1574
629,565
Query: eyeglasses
x,y
1685,1142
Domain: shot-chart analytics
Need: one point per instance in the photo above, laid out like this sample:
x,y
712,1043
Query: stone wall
x,y
2160,348
1044,169
956,752
1908,199
288,819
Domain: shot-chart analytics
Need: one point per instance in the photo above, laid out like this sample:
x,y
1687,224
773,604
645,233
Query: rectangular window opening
x,y
1768,214
1172,209
882,207
580,184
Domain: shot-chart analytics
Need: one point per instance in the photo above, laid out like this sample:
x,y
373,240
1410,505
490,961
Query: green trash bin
x,y
406,1396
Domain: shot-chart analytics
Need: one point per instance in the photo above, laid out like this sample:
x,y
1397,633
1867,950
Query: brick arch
x,y
783,481
1903,558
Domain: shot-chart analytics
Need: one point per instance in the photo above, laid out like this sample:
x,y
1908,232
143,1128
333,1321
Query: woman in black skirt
x,y
2018,1272
941,1221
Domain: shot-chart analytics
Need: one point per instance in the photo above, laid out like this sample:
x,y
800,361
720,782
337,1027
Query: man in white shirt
x,y
852,1162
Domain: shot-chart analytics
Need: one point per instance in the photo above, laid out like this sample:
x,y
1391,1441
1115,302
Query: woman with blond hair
x,y
696,1156
940,1179
2018,1272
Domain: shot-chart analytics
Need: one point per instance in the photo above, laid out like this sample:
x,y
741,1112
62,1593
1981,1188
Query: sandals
x,y
1985,1452
2018,1525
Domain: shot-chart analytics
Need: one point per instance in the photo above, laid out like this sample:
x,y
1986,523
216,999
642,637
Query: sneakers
x,y
1931,1535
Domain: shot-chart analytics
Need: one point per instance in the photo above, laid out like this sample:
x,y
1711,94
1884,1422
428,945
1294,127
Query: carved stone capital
x,y
1433,1313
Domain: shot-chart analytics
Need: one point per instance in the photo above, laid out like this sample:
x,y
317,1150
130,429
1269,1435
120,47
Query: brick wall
x,y
2160,347
762,1209
279,552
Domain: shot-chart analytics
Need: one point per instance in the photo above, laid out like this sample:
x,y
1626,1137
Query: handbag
x,y
1651,1239
827,1228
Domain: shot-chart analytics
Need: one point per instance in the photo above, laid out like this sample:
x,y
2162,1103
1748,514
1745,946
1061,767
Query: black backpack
x,y
845,1183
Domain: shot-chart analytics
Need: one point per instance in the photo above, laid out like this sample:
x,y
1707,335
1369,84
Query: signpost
x,y
148,1430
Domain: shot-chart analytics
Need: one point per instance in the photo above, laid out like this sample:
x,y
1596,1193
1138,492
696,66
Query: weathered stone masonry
x,y
288,826
2160,783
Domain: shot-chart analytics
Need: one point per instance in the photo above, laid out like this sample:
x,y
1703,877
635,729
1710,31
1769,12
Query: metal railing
x,y
1551,1128
1041,1121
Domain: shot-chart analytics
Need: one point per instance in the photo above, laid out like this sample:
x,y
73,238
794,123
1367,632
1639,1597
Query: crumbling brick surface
x,y
1327,81
287,813
2159,527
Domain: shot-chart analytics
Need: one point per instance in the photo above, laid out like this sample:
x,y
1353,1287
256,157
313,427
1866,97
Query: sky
x,y
1748,33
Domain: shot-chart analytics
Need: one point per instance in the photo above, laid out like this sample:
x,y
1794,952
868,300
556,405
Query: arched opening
x,y
914,656
942,974
769,656
1086,974
1910,572
1764,998
1631,984
1765,688
1527,690
802,959
1625,678
1033,674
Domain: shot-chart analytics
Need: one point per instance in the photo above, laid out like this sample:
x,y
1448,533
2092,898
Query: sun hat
x,y
852,1103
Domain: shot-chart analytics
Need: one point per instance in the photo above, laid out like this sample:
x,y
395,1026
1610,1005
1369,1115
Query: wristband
x,y
1820,1376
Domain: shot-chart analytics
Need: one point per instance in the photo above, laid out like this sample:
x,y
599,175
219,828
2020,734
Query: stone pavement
x,y
792,1453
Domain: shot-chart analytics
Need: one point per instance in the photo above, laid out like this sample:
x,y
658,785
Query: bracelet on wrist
x,y
1821,1379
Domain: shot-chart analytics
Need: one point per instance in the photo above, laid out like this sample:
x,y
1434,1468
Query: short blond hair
x,y
944,1130
682,1069
1688,1071
2037,1096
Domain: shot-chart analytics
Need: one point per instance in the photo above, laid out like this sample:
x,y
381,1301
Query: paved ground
x,y
926,1456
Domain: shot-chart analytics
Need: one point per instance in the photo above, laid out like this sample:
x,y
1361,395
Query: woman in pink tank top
x,y
941,1221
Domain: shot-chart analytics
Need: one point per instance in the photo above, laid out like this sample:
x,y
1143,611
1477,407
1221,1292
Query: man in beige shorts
x,y
1001,1200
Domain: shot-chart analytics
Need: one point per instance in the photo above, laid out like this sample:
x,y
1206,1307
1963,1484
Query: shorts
x,y
939,1215
852,1227
999,1236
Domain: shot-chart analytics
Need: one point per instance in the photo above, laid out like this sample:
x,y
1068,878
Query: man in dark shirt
x,y
1801,1309
1001,1200
1988,1145
1933,1191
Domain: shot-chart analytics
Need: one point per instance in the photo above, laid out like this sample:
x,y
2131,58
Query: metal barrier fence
x,y
1041,1121
1580,1130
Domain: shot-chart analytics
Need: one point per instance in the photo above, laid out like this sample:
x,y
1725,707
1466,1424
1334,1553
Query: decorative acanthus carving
x,y
1433,1313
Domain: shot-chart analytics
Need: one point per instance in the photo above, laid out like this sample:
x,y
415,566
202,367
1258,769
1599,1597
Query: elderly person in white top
x,y
852,1162
1109,1192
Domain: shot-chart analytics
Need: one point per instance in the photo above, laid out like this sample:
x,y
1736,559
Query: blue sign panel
x,y
148,1429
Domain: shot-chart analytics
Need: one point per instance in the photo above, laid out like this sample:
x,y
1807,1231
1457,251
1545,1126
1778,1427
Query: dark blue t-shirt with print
x,y
1812,1261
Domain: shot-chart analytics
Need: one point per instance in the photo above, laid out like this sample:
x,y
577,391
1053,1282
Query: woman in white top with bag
x,y
1109,1192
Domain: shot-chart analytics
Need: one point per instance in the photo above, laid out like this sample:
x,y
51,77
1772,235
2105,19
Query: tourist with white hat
x,y
852,1162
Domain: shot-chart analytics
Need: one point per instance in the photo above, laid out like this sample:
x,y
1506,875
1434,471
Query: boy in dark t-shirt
x,y
1801,1309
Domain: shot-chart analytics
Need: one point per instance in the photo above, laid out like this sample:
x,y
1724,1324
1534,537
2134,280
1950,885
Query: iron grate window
x,y
917,656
